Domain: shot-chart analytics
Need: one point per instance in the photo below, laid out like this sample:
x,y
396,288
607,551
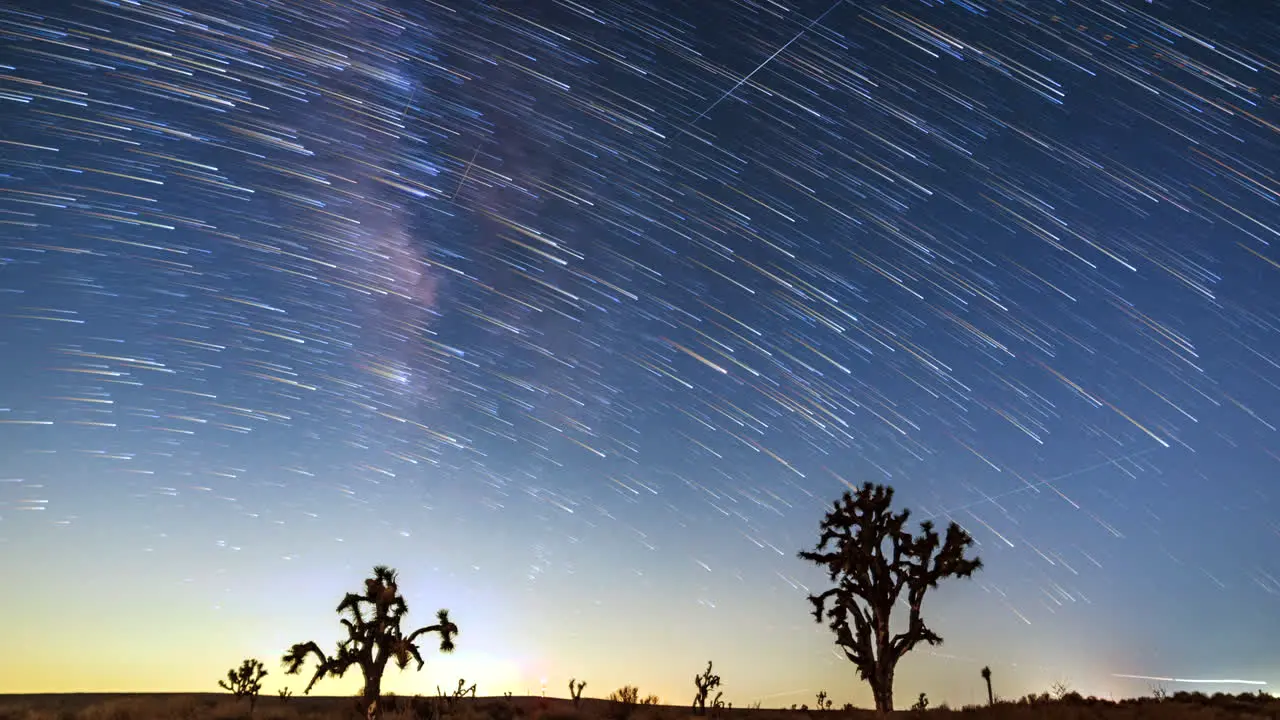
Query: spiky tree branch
x,y
873,558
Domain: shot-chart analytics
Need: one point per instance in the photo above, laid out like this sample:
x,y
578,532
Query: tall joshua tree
x,y
986,675
872,557
374,638
706,682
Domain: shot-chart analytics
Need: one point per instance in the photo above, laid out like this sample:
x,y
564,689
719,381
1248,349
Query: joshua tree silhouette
x,y
459,692
986,675
873,560
706,682
245,681
374,638
575,690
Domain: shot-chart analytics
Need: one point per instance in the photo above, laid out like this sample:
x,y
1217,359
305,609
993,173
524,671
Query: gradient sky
x,y
579,315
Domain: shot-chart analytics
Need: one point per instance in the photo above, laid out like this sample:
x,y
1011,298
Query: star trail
x,y
580,313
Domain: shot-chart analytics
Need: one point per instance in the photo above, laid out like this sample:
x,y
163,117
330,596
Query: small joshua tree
x,y
463,690
445,702
245,681
824,702
284,693
875,558
575,691
706,682
922,703
374,638
986,675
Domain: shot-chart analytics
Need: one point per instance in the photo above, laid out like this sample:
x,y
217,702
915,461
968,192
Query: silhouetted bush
x,y
626,695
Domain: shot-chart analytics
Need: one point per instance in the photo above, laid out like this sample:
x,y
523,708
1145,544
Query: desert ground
x,y
1193,706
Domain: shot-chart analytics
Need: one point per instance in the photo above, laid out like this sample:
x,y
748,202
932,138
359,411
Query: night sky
x,y
581,313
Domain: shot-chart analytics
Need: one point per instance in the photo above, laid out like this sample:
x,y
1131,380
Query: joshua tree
x,y
706,682
374,638
459,692
575,690
986,675
463,690
445,701
284,693
875,558
922,703
824,702
245,681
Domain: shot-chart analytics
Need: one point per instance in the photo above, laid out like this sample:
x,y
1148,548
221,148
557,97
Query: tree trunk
x,y
372,691
882,689
991,698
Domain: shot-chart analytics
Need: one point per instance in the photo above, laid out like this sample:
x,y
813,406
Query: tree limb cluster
x,y
872,558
